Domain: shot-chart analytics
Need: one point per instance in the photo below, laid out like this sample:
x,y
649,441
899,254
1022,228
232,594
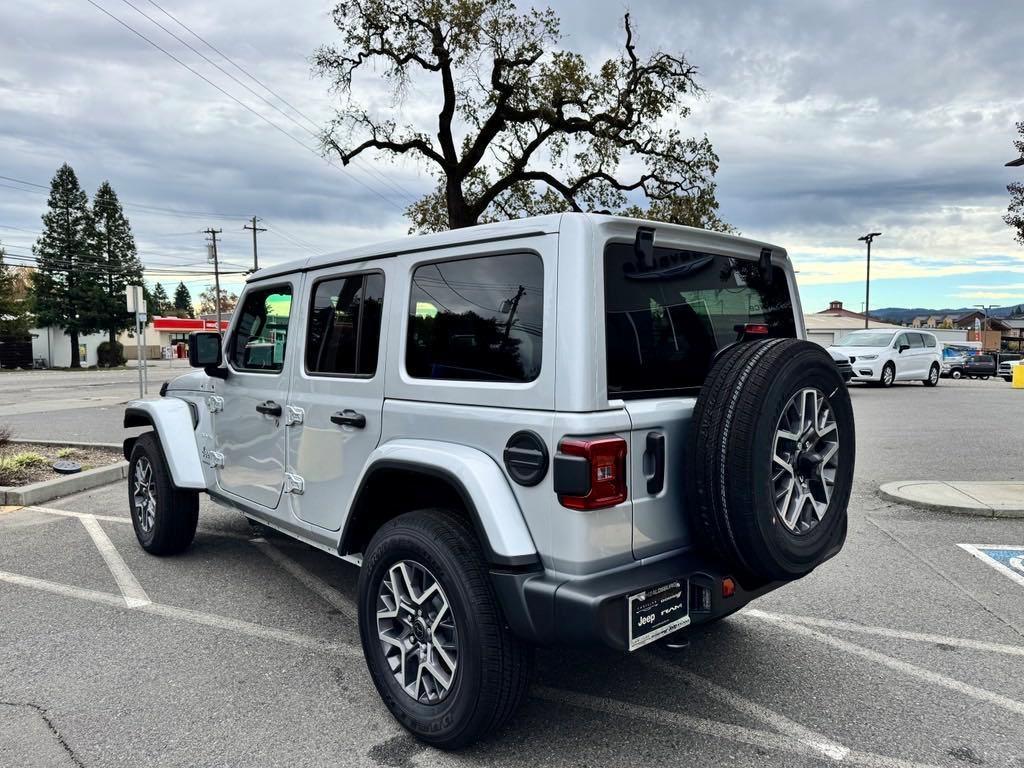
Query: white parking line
x,y
779,722
897,634
187,615
128,521
311,581
134,595
977,551
966,689
712,728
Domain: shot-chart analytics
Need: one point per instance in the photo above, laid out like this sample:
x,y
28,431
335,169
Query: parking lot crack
x,y
51,726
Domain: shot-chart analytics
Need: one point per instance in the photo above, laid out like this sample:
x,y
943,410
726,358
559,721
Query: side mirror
x,y
205,350
904,348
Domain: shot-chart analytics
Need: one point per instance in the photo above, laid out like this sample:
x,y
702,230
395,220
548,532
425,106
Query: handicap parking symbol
x,y
1008,560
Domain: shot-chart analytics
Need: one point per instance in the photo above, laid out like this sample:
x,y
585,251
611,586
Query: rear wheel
x,y
956,373
933,376
984,378
438,650
773,442
164,517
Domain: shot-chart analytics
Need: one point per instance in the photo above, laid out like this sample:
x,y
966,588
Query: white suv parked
x,y
882,356
568,429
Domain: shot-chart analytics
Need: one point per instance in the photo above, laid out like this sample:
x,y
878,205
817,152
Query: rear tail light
x,y
594,475
756,329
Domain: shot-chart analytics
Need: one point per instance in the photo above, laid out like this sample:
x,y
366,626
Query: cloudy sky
x,y
831,119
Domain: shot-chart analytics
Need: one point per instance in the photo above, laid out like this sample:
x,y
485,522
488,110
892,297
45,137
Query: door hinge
x,y
213,459
294,484
215,403
294,415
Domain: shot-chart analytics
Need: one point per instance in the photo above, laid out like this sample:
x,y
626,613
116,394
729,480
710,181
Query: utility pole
x,y
867,281
255,229
216,267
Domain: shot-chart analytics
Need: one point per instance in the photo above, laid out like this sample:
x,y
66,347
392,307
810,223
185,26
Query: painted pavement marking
x,y
1007,559
134,595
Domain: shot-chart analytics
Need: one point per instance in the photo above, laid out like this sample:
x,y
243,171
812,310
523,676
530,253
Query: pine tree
x,y
114,244
161,301
66,283
183,300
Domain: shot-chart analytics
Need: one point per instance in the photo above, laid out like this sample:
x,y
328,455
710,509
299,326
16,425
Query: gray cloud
x,y
828,117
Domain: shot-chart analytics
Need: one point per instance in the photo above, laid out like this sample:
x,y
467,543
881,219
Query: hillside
x,y
901,315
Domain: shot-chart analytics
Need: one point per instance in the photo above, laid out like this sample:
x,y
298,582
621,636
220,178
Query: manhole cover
x,y
66,467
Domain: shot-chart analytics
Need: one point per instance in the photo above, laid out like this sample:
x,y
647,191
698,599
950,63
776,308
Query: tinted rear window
x,y
665,321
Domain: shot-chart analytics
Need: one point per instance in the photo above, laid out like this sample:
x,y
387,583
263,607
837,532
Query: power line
x,y
161,209
234,98
384,179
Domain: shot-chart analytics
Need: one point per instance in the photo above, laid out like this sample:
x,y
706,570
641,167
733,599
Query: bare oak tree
x,y
522,128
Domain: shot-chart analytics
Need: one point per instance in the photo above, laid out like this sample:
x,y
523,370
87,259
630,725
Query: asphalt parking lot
x,y
904,650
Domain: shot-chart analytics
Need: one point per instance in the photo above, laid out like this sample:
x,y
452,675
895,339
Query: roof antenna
x,y
765,262
643,247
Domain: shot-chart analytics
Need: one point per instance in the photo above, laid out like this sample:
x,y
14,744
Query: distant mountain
x,y
901,315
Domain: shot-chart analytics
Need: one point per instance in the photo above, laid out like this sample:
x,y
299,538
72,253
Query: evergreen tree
x,y
161,301
114,245
66,283
183,300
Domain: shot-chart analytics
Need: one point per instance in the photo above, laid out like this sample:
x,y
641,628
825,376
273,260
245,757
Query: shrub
x,y
9,473
27,459
110,355
5,434
66,453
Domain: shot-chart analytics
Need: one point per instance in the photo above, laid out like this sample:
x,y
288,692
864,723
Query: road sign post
x,y
136,301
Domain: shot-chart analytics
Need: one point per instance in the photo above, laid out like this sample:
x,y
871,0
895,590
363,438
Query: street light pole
x,y
867,280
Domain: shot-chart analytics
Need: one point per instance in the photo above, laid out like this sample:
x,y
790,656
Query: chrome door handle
x,y
349,418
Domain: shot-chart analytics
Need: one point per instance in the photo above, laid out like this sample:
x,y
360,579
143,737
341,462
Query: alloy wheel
x,y
144,494
417,632
805,460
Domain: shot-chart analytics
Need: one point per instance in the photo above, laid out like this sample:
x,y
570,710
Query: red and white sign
x,y
187,324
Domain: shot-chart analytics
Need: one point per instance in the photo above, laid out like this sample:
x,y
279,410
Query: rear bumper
x,y
546,610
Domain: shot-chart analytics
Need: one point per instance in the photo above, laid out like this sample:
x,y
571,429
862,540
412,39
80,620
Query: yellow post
x,y
1018,376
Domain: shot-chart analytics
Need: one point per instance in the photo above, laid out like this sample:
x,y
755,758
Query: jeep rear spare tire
x,y
771,450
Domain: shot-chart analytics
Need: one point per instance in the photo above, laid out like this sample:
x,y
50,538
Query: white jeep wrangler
x,y
559,430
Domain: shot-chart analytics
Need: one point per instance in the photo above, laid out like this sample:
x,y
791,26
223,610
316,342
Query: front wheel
x,y
436,645
164,517
984,378
888,375
933,376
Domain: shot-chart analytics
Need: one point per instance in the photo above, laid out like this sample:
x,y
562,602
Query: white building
x,y
54,346
829,329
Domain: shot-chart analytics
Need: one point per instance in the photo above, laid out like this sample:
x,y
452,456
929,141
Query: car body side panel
x,y
172,421
483,480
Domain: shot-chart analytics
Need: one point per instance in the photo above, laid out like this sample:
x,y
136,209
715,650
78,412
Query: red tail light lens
x,y
607,459
756,329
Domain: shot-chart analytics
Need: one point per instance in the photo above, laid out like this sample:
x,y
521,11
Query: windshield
x,y
666,320
866,339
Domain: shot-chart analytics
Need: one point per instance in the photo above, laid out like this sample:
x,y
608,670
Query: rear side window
x,y
665,321
916,340
344,325
929,340
261,331
477,319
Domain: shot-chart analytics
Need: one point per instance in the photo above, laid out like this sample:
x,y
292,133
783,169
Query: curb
x,y
35,441
47,490
971,507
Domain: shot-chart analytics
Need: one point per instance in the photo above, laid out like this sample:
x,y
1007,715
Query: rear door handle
x,y
654,463
269,408
349,418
